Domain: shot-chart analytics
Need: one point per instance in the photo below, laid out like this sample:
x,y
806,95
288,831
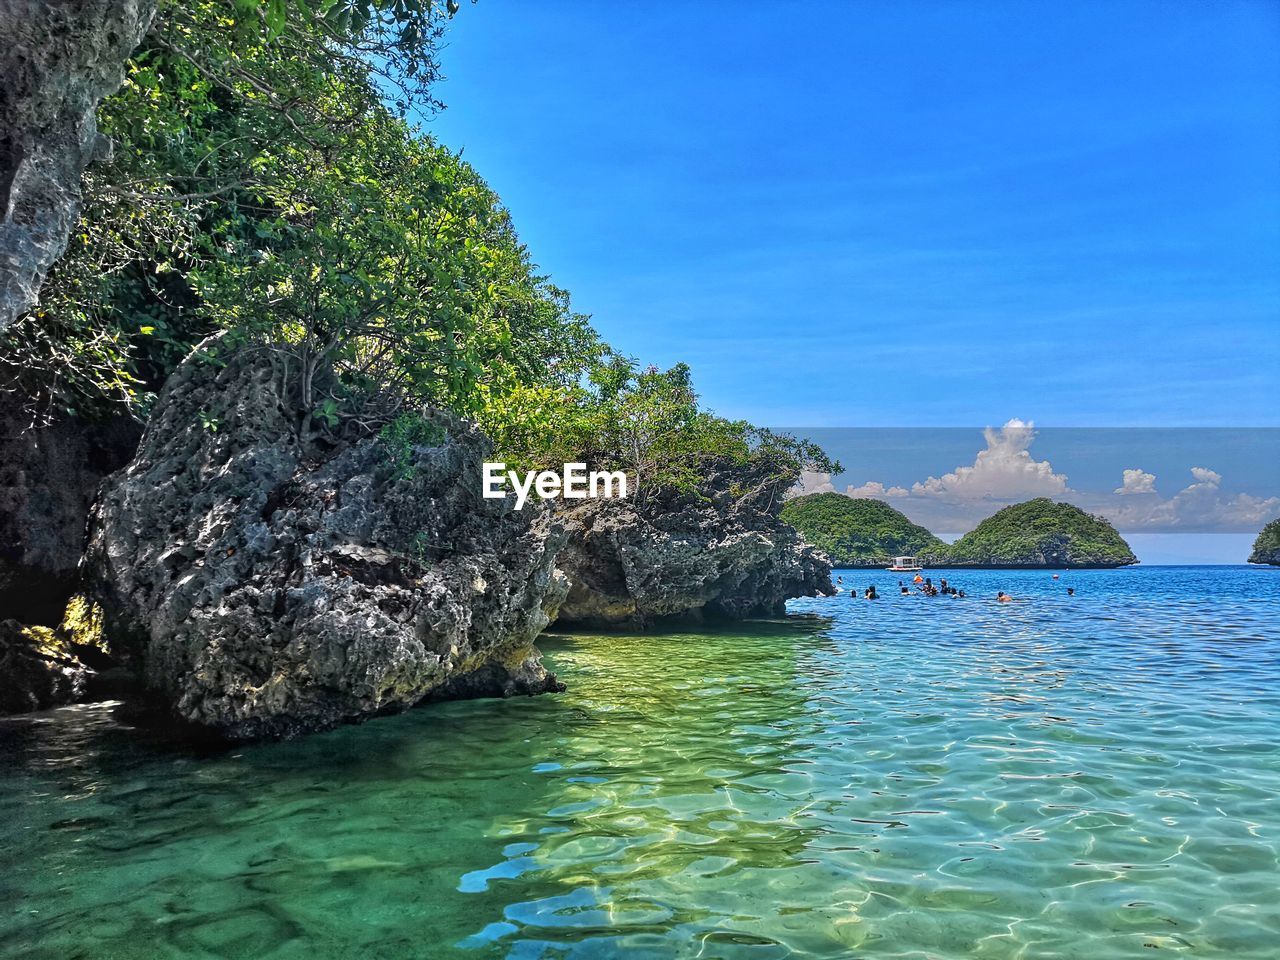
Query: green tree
x,y
1041,532
645,421
858,532
264,182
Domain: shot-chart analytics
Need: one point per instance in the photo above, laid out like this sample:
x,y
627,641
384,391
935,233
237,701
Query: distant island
x,y
1266,549
858,532
1038,533
1041,533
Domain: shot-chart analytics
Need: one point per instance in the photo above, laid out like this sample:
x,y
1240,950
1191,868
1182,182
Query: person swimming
x,y
1071,591
1003,597
871,593
903,590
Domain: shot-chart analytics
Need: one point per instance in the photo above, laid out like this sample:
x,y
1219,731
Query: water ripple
x,y
1092,777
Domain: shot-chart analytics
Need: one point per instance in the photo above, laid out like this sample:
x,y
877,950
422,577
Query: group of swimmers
x,y
925,587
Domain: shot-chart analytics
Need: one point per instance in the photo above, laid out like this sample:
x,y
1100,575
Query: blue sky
x,y
868,214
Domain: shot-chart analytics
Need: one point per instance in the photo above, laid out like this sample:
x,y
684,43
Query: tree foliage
x,y
1041,532
858,532
266,183
645,421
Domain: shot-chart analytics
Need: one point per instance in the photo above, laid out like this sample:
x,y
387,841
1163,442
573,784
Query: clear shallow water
x,y
1094,777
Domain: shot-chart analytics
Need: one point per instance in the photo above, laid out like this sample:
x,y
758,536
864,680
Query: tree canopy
x,y
858,532
266,182
1041,533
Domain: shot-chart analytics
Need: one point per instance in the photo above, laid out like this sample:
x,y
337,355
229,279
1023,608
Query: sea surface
x,y
1093,777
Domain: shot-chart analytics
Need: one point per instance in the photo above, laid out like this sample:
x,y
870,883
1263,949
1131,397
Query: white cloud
x,y
1005,470
1206,477
1137,481
812,481
877,490
1200,506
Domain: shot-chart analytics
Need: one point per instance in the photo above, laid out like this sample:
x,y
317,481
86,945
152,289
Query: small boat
x,y
905,565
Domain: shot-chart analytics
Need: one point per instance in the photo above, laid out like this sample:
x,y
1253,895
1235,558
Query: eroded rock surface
x,y
720,554
58,59
36,675
267,587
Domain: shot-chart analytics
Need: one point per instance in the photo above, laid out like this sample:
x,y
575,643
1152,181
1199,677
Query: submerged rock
x,y
266,586
49,476
36,671
719,553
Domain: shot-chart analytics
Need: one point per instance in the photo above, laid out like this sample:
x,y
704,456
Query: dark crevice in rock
x,y
48,478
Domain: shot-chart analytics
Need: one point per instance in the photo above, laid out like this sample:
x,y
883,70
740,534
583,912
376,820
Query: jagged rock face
x,y
58,59
34,678
268,589
49,476
724,554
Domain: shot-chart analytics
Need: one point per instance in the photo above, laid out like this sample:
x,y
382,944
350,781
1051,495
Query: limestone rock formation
x,y
265,585
722,553
58,59
36,675
49,476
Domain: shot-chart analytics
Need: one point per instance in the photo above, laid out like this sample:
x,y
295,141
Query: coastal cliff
x,y
58,60
1266,549
263,575
265,582
720,551
291,547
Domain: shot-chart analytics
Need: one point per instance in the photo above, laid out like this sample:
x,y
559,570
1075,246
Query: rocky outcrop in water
x,y
1039,533
266,584
1266,549
49,476
35,672
719,553
57,61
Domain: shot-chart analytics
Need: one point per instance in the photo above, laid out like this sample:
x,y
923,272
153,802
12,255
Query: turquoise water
x,y
1092,777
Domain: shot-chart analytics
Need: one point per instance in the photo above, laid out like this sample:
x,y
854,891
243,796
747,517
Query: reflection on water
x,y
910,777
